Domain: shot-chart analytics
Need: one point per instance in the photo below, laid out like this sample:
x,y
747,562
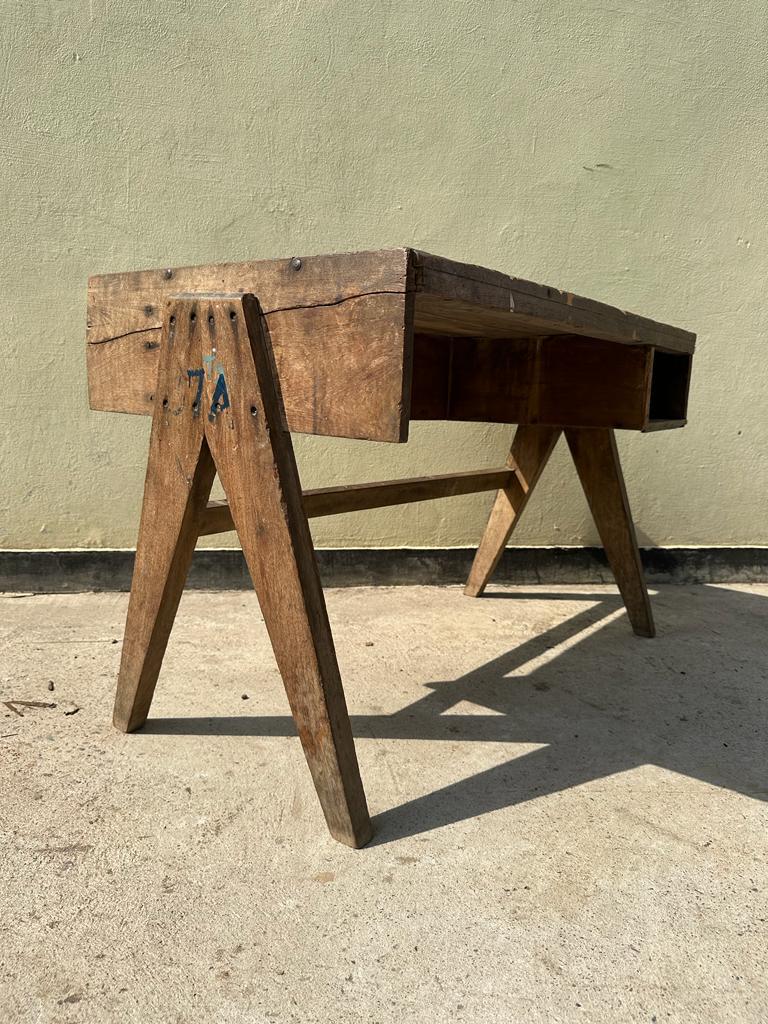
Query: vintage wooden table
x,y
228,358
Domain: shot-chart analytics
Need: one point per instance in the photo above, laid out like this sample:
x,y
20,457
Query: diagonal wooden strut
x,y
219,409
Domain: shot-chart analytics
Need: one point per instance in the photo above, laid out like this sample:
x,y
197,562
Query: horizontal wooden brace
x,y
330,501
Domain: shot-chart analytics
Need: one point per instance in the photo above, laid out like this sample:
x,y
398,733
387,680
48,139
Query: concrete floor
x,y
571,821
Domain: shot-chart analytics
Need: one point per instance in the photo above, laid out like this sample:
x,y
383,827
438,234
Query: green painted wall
x,y
619,151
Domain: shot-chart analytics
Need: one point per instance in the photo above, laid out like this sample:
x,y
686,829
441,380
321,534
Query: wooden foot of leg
x,y
528,456
180,474
254,456
597,463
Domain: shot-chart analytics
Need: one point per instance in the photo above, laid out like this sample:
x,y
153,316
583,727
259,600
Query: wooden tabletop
x,y
348,325
450,297
460,298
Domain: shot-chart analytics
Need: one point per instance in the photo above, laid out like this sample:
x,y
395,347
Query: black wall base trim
x,y
54,572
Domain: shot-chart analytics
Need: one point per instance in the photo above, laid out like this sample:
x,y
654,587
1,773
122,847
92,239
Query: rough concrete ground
x,y
571,820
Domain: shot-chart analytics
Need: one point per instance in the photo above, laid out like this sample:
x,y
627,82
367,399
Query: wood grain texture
x,y
589,382
218,409
339,326
559,380
331,501
597,463
343,369
342,329
529,454
180,474
487,303
256,465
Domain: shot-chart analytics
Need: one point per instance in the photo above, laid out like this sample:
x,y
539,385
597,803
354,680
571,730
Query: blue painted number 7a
x,y
220,400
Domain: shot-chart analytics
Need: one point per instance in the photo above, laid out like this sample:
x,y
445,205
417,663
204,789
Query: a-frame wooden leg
x,y
218,408
254,456
180,473
597,463
531,448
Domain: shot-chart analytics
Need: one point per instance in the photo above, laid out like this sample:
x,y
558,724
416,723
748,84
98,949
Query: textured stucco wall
x,y
619,151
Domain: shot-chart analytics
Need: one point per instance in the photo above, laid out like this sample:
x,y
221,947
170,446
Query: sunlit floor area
x,y
571,821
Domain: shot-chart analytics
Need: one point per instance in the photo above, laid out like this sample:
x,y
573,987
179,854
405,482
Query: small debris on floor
x,y
244,696
14,705
51,687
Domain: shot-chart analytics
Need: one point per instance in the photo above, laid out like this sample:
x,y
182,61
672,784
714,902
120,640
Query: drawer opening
x,y
669,386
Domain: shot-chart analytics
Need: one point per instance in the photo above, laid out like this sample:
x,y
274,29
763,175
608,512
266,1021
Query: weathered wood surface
x,y
593,383
337,327
597,463
341,328
256,465
180,473
561,380
331,501
529,454
218,409
456,298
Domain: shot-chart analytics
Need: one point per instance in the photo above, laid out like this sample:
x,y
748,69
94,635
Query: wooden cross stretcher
x,y
229,358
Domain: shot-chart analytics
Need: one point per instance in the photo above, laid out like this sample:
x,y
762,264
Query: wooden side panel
x,y
430,394
562,381
122,374
473,379
592,383
343,369
339,327
492,380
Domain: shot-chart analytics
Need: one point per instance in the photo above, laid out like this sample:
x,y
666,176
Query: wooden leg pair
x,y
218,408
597,462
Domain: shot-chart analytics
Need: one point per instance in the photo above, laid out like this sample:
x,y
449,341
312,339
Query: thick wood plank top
x,y
364,342
458,298
449,297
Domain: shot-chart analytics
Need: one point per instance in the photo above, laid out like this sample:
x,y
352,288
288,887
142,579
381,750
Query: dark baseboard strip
x,y
53,572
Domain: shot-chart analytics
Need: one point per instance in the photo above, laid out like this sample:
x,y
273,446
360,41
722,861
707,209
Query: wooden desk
x,y
229,358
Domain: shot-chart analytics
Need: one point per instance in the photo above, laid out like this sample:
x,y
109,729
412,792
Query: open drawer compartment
x,y
565,380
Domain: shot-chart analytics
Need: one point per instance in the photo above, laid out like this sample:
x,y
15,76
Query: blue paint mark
x,y
220,400
208,360
200,376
